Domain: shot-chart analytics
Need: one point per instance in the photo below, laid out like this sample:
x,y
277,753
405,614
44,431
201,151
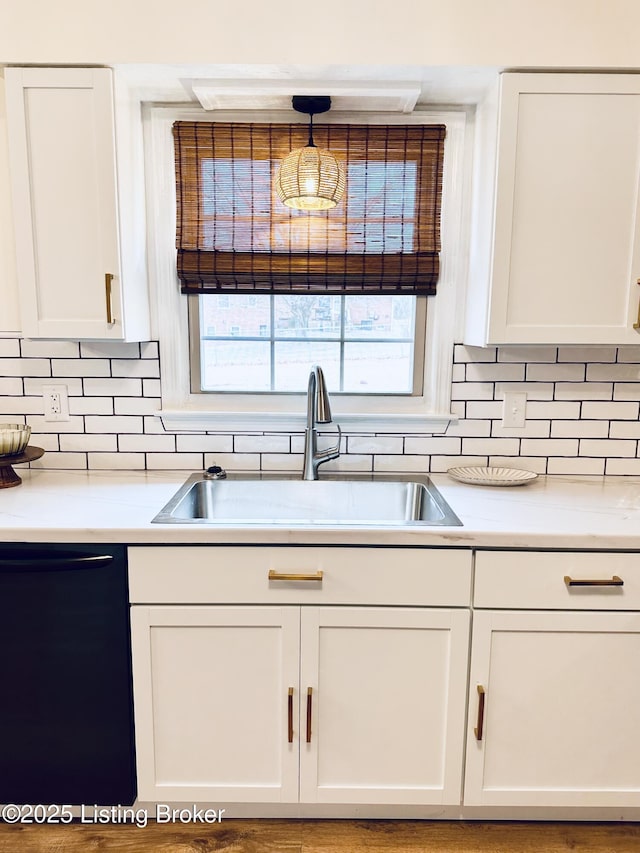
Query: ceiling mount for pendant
x,y
310,178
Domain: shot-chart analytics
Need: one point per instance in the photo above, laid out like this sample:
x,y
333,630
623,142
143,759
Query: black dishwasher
x,y
66,707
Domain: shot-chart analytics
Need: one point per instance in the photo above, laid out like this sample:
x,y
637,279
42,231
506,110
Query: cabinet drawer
x,y
239,574
571,580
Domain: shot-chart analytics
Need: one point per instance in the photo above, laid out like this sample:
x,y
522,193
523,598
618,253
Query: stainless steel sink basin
x,y
272,500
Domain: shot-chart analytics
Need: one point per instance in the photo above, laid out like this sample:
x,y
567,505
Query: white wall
x,y
581,33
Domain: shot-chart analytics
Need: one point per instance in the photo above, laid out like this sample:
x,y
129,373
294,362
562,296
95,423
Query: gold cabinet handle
x,y
108,278
294,576
636,325
613,581
480,722
309,701
290,716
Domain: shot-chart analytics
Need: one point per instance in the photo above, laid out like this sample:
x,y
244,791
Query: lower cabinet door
x,y
382,694
213,715
554,710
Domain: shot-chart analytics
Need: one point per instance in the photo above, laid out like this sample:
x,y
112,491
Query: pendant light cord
x,y
311,143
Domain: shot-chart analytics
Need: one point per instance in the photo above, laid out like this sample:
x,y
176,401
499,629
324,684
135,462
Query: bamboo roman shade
x,y
234,234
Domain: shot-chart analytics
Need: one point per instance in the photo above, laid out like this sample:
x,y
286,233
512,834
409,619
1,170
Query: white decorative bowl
x,y
13,438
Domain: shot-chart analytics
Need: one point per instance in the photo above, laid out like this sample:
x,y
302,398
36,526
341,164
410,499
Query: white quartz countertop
x,y
110,506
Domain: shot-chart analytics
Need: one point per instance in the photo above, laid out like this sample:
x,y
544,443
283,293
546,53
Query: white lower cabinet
x,y
367,703
554,707
300,703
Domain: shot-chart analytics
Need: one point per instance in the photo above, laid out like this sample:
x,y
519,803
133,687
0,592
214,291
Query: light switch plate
x,y
514,410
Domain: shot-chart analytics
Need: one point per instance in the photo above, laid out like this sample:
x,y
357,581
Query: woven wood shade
x,y
234,234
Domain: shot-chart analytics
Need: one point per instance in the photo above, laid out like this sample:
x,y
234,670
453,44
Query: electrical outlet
x,y
56,402
514,410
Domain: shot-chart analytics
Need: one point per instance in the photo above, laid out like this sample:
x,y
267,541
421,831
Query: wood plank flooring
x,y
326,836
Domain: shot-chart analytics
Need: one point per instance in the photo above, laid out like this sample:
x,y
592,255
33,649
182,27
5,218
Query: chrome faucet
x,y
318,412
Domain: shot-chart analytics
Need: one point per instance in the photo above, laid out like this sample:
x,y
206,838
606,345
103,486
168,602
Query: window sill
x,y
181,420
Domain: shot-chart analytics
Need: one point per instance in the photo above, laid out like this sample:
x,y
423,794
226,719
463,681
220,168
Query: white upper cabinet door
x,y
557,723
382,694
61,131
566,254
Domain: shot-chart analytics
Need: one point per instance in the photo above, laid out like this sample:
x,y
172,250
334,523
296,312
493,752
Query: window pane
x,y
307,316
380,317
224,315
235,366
294,360
375,368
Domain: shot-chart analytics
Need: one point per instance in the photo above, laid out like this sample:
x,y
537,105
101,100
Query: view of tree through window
x,y
268,343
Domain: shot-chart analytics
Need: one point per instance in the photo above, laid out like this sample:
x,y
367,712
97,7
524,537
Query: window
x,y
268,343
422,407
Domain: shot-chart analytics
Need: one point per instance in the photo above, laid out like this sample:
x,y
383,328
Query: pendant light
x,y
310,178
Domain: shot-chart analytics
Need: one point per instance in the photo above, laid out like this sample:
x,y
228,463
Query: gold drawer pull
x,y
294,576
309,701
108,278
290,716
480,723
613,581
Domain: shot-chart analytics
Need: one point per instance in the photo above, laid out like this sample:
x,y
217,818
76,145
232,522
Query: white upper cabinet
x,y
565,259
78,275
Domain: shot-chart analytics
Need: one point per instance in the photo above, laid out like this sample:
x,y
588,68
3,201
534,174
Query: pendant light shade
x,y
310,178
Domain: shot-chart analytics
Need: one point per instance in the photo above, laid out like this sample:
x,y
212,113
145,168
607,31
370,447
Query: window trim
x,y
183,410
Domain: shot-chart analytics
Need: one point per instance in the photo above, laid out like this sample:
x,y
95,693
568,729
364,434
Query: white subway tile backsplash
x,y
611,411
85,443
624,429
11,385
472,391
555,372
613,372
484,372
148,369
490,446
578,467
109,349
584,391
80,367
463,353
122,461
203,443
441,445
34,386
374,444
582,413
25,367
52,459
607,447
175,461
552,410
526,354
623,467
9,348
114,423
147,443
580,429
549,447
91,405
439,464
114,387
531,429
48,349
587,354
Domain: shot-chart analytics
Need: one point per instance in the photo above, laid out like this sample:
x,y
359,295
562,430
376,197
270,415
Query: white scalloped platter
x,y
492,476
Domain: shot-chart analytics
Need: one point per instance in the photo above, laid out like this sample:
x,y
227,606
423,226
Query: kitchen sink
x,y
378,500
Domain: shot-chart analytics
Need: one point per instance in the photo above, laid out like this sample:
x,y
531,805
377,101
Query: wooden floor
x,y
326,836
